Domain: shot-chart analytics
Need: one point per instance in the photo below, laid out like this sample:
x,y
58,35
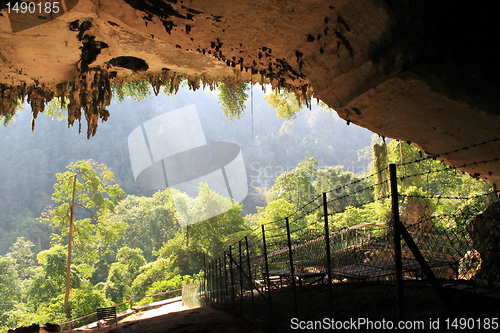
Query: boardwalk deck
x,y
384,267
156,304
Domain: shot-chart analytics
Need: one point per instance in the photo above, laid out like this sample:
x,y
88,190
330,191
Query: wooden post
x,y
397,241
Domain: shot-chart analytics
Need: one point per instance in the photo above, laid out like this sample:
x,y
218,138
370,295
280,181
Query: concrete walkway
x,y
174,305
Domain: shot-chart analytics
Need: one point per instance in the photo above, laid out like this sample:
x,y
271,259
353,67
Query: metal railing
x,y
159,295
267,274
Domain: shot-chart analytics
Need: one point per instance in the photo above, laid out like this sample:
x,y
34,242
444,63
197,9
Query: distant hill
x,y
29,161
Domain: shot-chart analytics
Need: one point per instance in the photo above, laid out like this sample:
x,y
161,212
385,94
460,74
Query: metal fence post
x,y
250,277
209,264
205,278
267,271
221,281
232,275
213,284
241,279
225,279
328,254
217,280
397,241
214,281
292,272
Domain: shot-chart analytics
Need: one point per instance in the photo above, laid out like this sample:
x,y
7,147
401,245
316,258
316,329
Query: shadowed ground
x,y
204,319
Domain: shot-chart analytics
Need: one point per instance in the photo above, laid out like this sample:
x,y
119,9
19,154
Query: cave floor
x,y
204,319
375,301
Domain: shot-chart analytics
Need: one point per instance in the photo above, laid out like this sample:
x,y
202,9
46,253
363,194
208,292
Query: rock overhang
x,y
419,71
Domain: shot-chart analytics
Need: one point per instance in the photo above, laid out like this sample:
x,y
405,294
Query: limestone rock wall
x,y
418,70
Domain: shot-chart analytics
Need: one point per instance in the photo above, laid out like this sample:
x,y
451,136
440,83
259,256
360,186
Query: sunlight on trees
x,y
56,107
296,185
141,90
21,252
149,221
220,228
9,111
285,103
146,244
136,90
122,274
85,186
232,100
9,286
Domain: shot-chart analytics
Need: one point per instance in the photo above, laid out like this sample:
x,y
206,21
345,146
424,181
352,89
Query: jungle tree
x,y
85,187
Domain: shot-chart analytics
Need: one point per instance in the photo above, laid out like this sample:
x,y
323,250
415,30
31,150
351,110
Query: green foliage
x,y
207,237
30,160
232,100
122,273
150,273
296,186
352,188
8,117
137,90
10,284
424,180
150,221
86,185
174,253
276,210
49,280
376,213
56,107
218,228
81,301
285,103
21,252
147,222
380,167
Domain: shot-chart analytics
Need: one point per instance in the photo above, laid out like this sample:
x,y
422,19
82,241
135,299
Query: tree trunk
x,y
68,269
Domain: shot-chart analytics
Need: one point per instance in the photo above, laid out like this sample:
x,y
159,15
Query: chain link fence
x,y
316,264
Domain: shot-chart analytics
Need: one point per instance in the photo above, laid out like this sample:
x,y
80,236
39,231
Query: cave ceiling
x,y
420,71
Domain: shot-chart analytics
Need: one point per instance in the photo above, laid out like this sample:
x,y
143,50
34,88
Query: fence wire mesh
x,y
316,264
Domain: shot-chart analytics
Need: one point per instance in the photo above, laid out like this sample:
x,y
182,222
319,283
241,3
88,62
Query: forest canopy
x,y
131,242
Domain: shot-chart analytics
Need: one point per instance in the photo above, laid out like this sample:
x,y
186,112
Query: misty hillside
x,y
29,161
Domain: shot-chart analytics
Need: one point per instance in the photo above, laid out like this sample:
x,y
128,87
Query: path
x,y
204,319
175,306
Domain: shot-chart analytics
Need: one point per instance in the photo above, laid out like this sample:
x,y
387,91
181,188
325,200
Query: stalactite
x,y
9,97
91,91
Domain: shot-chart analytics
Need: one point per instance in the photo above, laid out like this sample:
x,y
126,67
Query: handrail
x,y
129,301
71,321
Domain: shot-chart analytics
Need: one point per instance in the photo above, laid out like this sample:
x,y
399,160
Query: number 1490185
x,y
24,7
